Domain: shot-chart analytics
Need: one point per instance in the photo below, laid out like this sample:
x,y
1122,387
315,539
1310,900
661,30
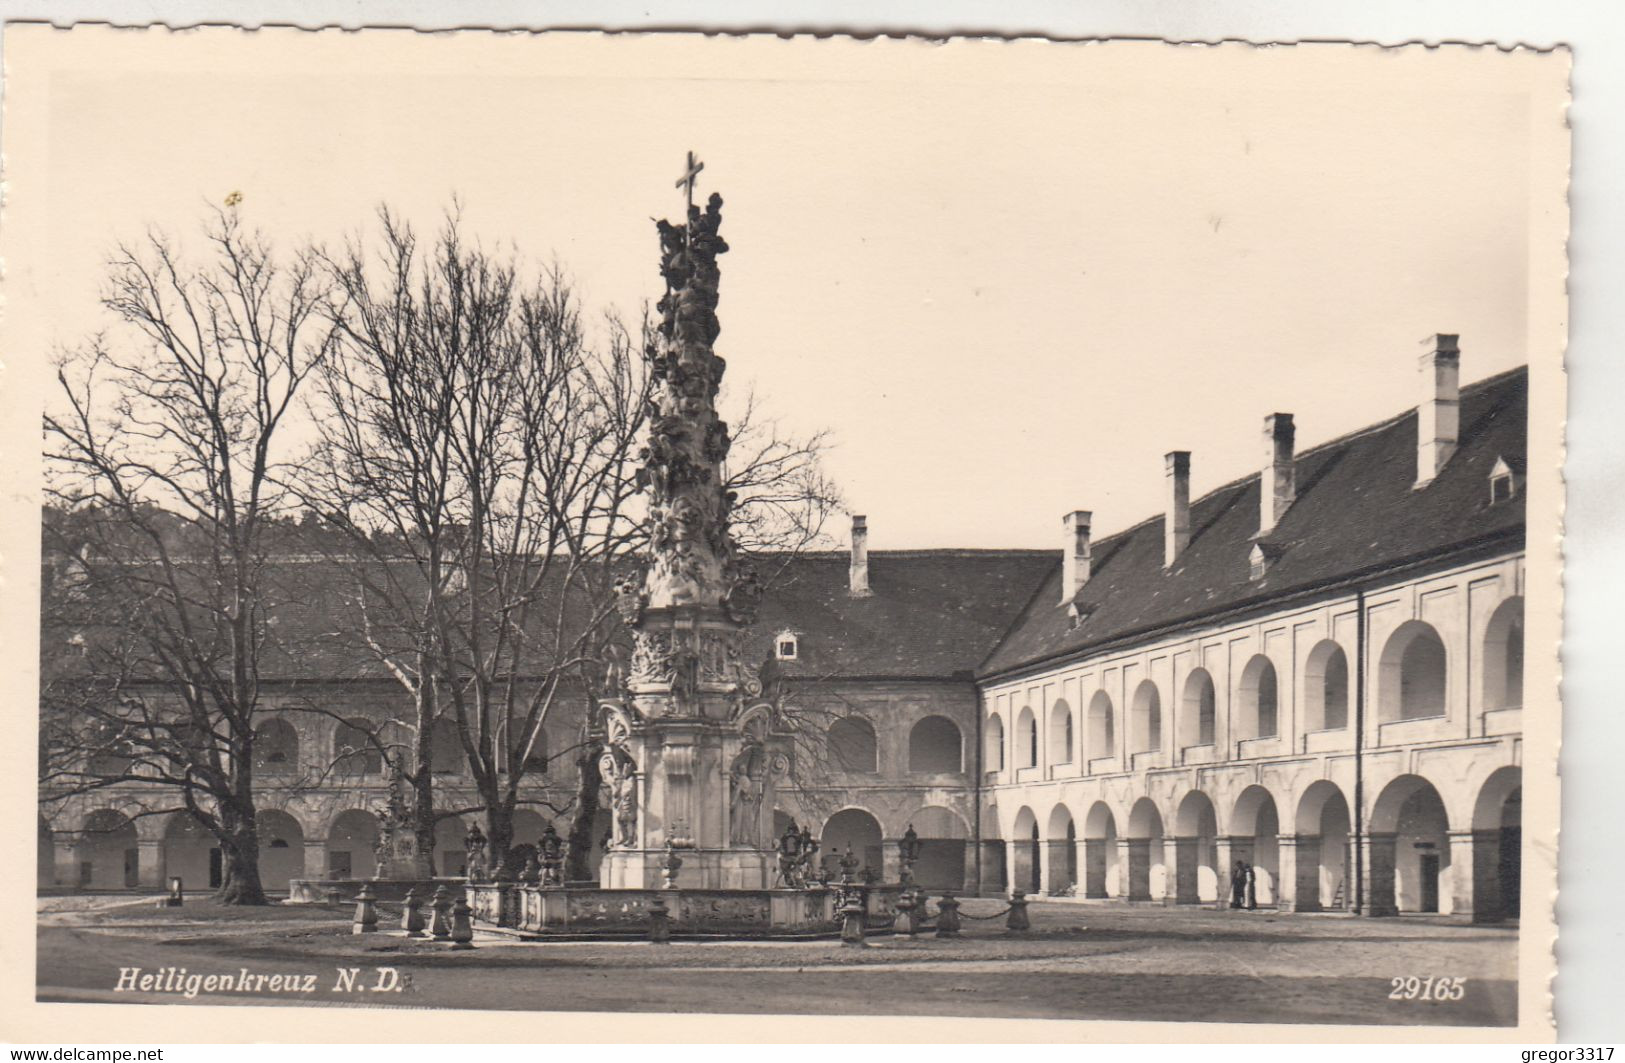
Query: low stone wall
x,y
315,890
693,912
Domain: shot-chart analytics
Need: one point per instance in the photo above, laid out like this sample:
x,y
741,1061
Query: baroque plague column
x,y
692,760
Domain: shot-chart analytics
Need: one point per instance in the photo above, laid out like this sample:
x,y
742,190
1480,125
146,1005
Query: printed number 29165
x,y
1414,988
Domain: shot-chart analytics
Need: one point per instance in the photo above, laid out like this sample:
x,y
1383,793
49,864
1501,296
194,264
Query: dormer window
x,y
786,647
1263,557
1505,481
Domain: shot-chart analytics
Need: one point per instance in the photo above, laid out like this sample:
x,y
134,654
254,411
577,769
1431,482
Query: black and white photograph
x,y
776,526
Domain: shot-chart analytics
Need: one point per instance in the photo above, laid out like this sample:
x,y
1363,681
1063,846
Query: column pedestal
x,y
1094,867
1459,879
150,863
1306,863
1187,874
1381,850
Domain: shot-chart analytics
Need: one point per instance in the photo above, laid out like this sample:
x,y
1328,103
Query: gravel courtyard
x,y
1079,961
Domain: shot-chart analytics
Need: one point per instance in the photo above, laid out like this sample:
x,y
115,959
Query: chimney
x,y
1176,526
1074,554
1278,484
1438,417
860,556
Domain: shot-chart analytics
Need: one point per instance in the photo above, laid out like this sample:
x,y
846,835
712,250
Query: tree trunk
x,y
422,773
240,867
499,836
577,866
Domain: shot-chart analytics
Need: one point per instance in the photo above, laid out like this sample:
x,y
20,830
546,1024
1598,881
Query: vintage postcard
x,y
976,539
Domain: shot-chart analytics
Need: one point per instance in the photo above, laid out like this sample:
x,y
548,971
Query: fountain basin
x,y
744,913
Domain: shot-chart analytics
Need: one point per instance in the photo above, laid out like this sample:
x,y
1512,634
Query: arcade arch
x,y
1409,849
993,753
1498,846
1198,709
1147,867
1258,698
1196,864
1102,739
1060,732
1026,865
1326,687
107,851
943,842
1101,875
276,748
352,842
1026,739
1411,674
282,849
1321,824
854,828
853,746
1503,657
935,745
1146,731
1255,827
1062,850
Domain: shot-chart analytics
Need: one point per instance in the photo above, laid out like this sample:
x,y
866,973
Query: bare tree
x,y
164,450
477,449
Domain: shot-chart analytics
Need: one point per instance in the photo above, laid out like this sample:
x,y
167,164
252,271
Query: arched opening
x,y
1026,739
1322,829
934,746
1101,875
942,834
1409,848
1102,739
1146,729
46,867
276,748
108,853
1060,733
1498,847
446,747
1503,657
192,852
993,754
1412,674
1258,700
353,750
852,745
1196,861
352,843
1061,837
1026,864
1198,709
1255,828
527,832
282,849
1326,687
451,846
851,828
1147,868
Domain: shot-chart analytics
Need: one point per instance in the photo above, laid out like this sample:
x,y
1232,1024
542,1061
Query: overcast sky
x,y
1008,277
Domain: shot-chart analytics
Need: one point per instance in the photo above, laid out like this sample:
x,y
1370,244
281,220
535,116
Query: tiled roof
x,y
1356,512
930,613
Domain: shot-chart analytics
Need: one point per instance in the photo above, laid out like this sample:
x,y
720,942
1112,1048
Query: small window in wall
x,y
786,647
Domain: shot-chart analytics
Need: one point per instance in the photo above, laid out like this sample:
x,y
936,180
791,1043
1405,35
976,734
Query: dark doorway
x,y
1509,862
1429,865
216,873
132,867
1036,883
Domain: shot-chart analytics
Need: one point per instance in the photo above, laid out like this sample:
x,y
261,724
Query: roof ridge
x,y
1482,384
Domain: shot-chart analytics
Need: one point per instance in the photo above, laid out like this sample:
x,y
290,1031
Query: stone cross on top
x,y
686,182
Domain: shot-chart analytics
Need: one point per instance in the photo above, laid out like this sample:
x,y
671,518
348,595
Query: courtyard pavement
x,y
1080,961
